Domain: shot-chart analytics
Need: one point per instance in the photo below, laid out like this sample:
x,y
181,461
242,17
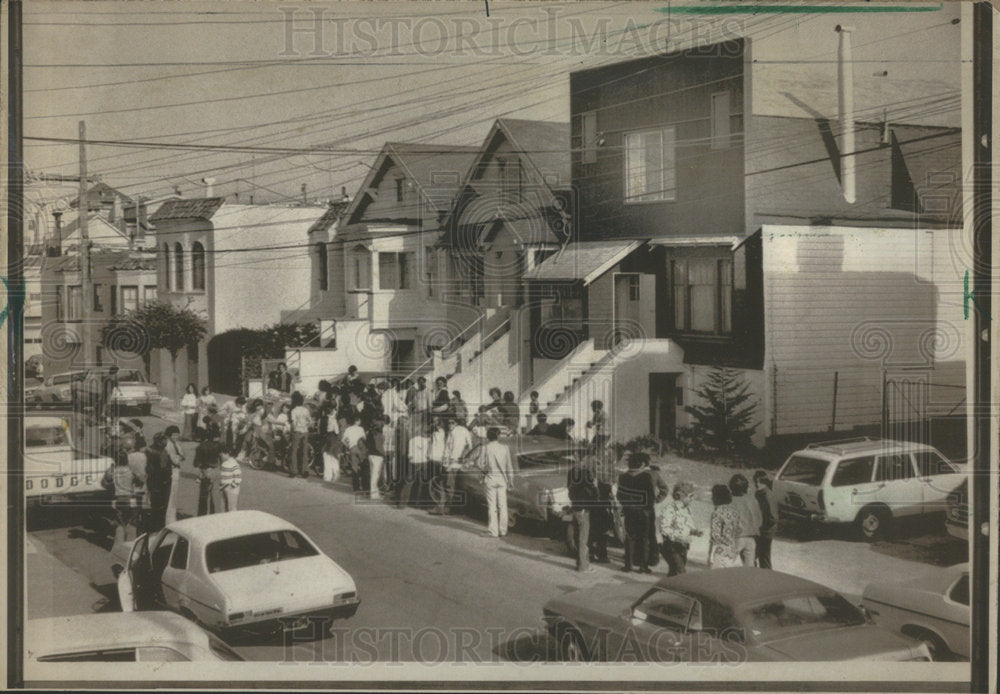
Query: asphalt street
x,y
433,588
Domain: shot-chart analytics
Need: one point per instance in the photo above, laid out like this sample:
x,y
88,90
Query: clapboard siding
x,y
600,308
849,304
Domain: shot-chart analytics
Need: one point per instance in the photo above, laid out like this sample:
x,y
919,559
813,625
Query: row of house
x,y
685,218
623,255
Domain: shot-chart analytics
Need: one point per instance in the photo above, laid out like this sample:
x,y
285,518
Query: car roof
x,y
40,422
110,630
864,445
742,585
525,443
219,526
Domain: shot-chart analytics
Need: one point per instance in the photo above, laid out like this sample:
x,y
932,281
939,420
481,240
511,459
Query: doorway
x,y
663,401
635,306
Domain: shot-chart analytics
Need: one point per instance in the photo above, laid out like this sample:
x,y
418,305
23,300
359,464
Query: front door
x,y
635,306
662,405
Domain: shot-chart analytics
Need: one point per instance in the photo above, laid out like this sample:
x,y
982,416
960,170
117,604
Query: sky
x,y
262,81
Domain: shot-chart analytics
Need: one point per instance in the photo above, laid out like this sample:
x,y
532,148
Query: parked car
x,y
54,390
541,464
245,571
957,516
121,638
864,481
54,470
722,615
132,391
933,608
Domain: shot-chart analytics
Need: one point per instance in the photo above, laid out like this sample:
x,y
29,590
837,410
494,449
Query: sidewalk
x,y
54,589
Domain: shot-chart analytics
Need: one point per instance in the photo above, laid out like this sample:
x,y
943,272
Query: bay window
x,y
701,295
394,270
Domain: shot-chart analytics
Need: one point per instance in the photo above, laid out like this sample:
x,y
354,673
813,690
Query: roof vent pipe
x,y
845,87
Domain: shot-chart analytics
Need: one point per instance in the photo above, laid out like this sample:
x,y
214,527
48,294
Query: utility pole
x,y
87,280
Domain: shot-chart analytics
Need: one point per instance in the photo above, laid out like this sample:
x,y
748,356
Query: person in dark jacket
x,y
636,495
769,517
583,499
158,481
207,460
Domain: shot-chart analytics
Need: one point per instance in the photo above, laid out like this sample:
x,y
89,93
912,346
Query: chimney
x,y
116,216
177,191
55,247
304,199
343,194
845,87
209,186
885,127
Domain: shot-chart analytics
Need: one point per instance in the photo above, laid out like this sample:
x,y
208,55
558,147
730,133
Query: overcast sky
x,y
229,73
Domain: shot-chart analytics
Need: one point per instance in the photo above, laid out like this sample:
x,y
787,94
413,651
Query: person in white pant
x,y
498,478
230,479
176,458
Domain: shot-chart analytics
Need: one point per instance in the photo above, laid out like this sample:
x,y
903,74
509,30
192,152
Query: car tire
x,y
935,645
570,646
873,522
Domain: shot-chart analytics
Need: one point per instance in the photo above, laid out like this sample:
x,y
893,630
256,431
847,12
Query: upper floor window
x,y
359,268
130,299
178,267
197,266
114,299
650,166
720,120
323,269
75,303
399,190
394,270
168,267
149,294
702,295
98,289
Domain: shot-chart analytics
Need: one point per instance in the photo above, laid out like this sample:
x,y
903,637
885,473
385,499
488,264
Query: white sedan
x,y
241,571
117,637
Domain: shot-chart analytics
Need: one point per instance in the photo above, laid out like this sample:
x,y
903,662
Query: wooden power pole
x,y
87,280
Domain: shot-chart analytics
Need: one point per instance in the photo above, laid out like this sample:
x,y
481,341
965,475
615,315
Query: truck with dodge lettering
x,y
54,471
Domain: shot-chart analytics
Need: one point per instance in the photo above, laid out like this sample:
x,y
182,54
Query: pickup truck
x,y
53,471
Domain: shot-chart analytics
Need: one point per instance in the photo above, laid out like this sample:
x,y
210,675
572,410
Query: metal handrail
x,y
504,324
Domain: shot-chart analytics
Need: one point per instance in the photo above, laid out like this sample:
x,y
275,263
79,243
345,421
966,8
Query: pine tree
x,y
724,418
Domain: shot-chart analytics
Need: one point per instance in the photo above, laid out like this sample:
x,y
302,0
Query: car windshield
x,y
795,615
130,376
259,548
45,436
804,469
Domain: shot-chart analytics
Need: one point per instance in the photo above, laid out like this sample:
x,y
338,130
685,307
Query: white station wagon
x,y
864,481
245,571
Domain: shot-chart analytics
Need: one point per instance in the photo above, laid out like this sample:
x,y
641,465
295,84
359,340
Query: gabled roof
x,y
436,171
333,213
134,261
545,144
177,209
102,191
100,230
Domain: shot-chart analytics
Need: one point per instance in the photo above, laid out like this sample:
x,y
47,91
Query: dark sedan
x,y
720,616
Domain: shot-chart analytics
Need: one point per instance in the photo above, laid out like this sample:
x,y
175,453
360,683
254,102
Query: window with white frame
x,y
359,268
149,294
702,291
394,270
130,298
650,166
75,304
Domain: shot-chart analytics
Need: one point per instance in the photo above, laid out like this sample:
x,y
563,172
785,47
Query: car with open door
x,y
241,571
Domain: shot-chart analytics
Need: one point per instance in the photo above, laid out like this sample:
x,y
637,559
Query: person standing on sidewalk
x,y
498,478
636,496
584,499
176,455
207,459
301,421
458,443
120,481
769,514
725,533
356,449
189,408
749,514
416,473
158,481
230,480
676,525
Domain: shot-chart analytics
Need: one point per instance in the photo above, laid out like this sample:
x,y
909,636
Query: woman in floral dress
x,y
725,530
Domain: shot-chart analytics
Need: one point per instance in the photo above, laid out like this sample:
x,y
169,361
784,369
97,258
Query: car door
x,y
656,629
897,484
165,557
134,579
938,478
954,624
850,487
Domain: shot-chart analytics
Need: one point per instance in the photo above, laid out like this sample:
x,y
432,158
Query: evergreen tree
x,y
723,419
